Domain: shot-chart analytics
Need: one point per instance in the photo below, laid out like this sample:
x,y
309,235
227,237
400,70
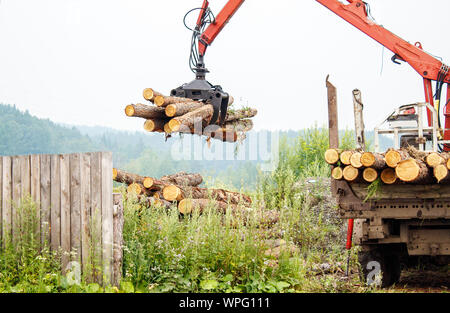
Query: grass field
x,y
165,252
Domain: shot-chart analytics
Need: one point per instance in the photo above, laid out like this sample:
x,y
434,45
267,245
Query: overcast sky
x,y
81,62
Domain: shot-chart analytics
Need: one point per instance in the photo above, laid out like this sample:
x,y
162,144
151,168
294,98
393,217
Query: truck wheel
x,y
375,262
393,261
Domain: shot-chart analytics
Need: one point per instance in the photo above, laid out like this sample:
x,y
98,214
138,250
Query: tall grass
x,y
211,252
298,159
26,263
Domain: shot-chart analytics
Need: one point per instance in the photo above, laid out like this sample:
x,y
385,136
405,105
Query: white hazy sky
x,y
81,62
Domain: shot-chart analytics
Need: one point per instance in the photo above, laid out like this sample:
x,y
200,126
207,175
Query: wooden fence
x,y
76,207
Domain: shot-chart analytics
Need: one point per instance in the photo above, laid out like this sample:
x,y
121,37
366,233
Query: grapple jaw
x,y
202,90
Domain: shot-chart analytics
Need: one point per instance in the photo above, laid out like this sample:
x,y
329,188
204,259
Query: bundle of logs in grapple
x,y
406,165
180,189
180,115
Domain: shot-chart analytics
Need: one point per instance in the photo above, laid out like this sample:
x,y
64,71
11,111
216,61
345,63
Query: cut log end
x,y
114,173
337,173
355,160
159,101
434,159
388,176
134,189
167,129
392,158
171,110
149,94
172,193
370,175
129,110
332,156
148,182
367,159
149,125
350,173
174,125
441,172
185,206
345,157
408,170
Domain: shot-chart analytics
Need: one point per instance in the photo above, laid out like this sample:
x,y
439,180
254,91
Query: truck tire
x,y
379,259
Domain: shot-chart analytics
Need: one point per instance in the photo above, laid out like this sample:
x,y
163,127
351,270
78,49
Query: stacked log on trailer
x,y
406,165
171,115
181,189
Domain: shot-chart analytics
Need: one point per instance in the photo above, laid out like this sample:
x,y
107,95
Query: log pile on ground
x,y
406,165
182,190
180,115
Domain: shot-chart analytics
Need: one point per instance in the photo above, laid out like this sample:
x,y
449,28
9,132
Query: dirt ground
x,y
424,281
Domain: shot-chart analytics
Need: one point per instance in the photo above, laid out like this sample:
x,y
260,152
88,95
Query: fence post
x,y
118,238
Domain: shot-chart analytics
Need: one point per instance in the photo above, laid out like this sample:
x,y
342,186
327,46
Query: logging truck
x,y
408,215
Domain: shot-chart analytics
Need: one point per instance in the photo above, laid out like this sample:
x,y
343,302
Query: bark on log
x,y
155,125
187,206
441,173
233,115
238,126
182,108
414,171
355,160
351,174
337,173
183,179
199,117
202,116
212,131
393,157
129,178
370,175
388,176
150,94
332,156
374,160
178,193
145,111
162,101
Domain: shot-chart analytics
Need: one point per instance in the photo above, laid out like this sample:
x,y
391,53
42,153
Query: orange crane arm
x,y
356,14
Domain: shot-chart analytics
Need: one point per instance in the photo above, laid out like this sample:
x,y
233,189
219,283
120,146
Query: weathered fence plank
x,y
73,195
35,166
55,196
96,212
25,174
16,197
45,195
64,162
107,215
85,180
75,206
6,198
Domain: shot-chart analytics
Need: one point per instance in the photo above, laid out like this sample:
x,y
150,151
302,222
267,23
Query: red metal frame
x,y
354,12
214,29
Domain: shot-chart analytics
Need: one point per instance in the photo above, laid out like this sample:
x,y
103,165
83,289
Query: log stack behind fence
x,y
75,206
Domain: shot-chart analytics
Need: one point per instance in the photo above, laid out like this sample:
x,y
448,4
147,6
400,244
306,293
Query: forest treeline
x,y
139,152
